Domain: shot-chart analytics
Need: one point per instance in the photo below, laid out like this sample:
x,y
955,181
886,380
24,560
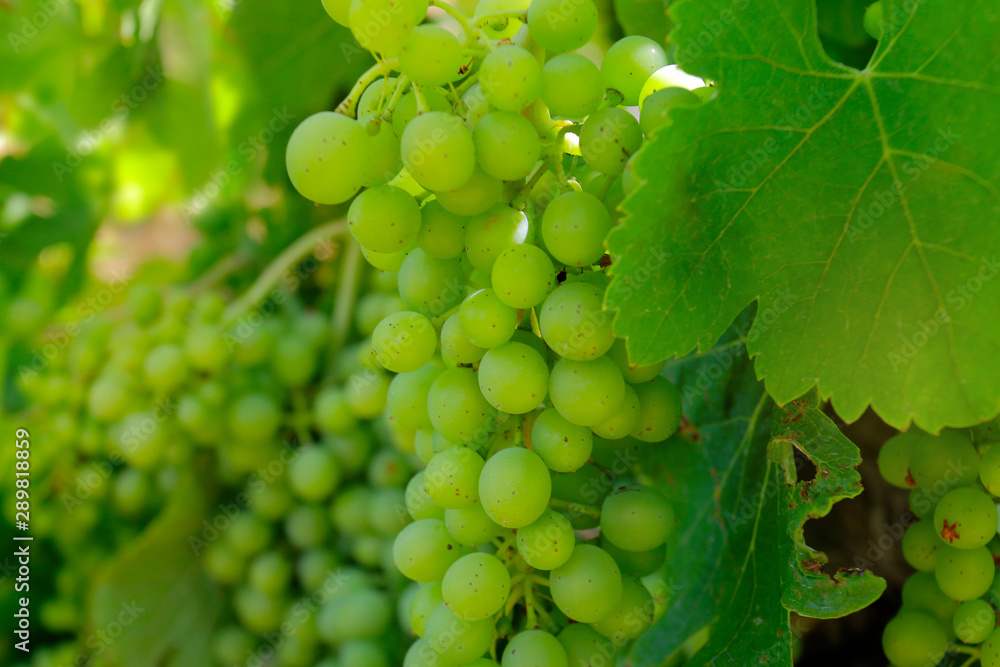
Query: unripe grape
x,y
322,157
609,138
560,26
510,78
629,62
572,87
438,151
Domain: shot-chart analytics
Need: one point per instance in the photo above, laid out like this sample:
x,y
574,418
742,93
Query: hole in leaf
x,y
842,31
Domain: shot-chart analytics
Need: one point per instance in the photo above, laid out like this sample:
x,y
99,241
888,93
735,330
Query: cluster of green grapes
x,y
490,169
950,604
263,407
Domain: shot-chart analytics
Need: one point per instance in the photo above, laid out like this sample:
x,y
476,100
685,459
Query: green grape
x,y
873,20
350,448
922,593
478,195
423,550
573,322
424,603
438,151
631,617
306,526
561,26
944,461
458,410
572,87
358,614
313,567
249,534
384,219
164,368
510,78
384,25
231,644
331,412
562,445
454,344
205,348
403,342
974,621
912,639
339,11
523,275
502,27
431,56
452,477
629,62
420,654
431,286
507,145
966,518
254,417
485,320
659,410
131,492
361,653
322,157
624,421
636,518
491,233
671,76
585,647
455,641
657,107
385,261
407,399
586,392
609,138
272,502
406,110
515,487
476,106
514,378
534,648
964,574
547,542
388,468
588,586
989,470
894,459
270,572
574,227
108,397
470,525
442,233
142,439
636,563
476,586
294,360
224,564
371,308
419,503
350,509
258,611
384,158
366,393
920,546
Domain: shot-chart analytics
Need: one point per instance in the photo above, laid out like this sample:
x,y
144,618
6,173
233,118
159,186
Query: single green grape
x,y
480,193
431,56
132,492
485,320
586,392
438,151
572,87
423,550
624,421
510,77
629,63
636,518
547,542
357,653
586,647
455,345
574,323
164,367
609,138
656,108
254,418
442,233
384,219
507,145
384,25
514,487
406,402
419,504
489,234
534,648
514,378
561,26
322,157
367,392
258,611
339,11
452,477
294,360
476,586
427,599
455,641
964,574
206,348
974,621
659,410
989,470
307,526
431,286
314,566
913,639
574,227
457,408
403,342
563,445
966,518
894,459
270,572
523,275
470,525
990,651
920,546
945,461
631,617
588,586
874,20
313,474
364,613
671,76
231,645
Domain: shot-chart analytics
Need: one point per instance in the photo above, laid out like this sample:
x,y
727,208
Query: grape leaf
x,y
728,567
155,593
641,17
857,207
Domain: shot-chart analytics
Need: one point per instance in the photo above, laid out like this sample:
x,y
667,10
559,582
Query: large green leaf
x,y
156,591
858,208
729,566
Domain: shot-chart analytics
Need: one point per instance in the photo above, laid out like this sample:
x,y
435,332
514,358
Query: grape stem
x,y
455,14
422,106
529,605
520,15
521,200
347,293
579,508
402,83
281,264
349,107
468,83
300,416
